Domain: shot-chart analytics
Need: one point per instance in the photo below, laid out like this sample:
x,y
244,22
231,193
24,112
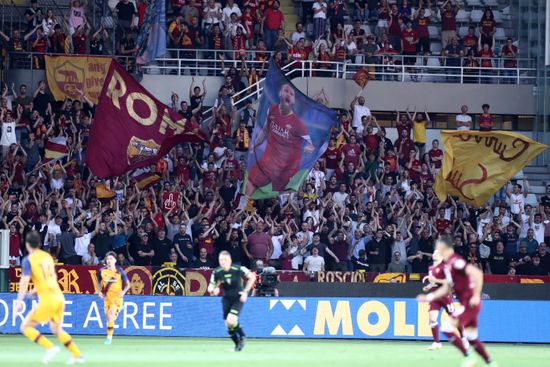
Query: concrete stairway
x,y
291,16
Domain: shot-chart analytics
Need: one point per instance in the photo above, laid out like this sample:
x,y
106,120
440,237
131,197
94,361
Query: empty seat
x,y
462,31
474,2
366,28
347,28
500,35
498,16
462,16
476,15
435,48
491,3
433,31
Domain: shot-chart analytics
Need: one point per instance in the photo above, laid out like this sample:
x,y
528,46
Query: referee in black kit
x,y
230,278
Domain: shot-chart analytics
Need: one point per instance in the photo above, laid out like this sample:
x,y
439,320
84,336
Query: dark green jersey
x,y
230,281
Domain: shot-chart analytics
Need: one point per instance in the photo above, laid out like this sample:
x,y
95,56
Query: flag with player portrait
x,y
291,133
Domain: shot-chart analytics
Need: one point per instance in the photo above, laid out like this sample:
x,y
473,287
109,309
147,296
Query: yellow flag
x,y
477,164
68,75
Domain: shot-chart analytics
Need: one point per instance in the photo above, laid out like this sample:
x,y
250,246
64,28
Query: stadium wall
x,y
347,318
381,96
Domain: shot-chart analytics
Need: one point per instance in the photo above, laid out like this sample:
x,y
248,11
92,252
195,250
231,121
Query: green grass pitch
x,y
17,351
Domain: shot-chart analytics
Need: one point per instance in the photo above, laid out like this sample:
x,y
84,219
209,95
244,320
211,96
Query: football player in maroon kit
x,y
467,282
285,133
436,278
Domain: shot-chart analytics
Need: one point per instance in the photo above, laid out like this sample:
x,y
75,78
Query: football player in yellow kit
x,y
113,285
39,267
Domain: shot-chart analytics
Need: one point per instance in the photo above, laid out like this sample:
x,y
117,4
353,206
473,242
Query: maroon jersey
x,y
455,273
331,158
435,153
438,272
485,122
441,224
422,27
448,20
351,152
409,37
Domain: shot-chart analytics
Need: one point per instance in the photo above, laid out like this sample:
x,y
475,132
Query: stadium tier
x,y
261,169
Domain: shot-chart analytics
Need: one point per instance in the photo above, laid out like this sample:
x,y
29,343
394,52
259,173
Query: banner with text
x,y
69,75
349,318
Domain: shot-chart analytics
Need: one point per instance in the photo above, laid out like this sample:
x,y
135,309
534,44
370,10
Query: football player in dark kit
x,y
230,278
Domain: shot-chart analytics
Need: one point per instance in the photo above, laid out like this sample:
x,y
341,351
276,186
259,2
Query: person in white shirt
x,y
538,228
314,262
298,34
341,196
517,197
317,176
463,120
8,131
319,18
359,110
229,9
89,258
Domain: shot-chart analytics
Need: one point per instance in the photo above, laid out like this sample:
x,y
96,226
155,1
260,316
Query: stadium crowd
x,y
384,33
368,204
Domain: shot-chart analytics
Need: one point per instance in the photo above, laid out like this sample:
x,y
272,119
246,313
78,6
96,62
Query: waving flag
x,y
477,164
361,77
292,131
151,39
133,129
55,149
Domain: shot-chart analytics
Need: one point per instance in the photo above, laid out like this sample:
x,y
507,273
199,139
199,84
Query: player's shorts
x,y
48,309
113,302
278,176
231,305
446,303
467,316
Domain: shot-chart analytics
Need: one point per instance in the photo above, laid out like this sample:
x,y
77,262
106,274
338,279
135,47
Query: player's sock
x,y
480,349
68,342
110,329
461,332
456,341
435,331
35,336
239,331
233,334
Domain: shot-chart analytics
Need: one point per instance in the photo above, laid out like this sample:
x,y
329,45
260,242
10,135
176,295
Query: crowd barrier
x,y
171,281
347,318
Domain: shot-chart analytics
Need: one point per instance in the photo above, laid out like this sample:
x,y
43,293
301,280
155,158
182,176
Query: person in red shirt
x,y
448,22
370,140
441,223
248,20
509,53
487,28
351,152
403,145
394,29
436,155
39,47
486,119
207,238
485,57
421,27
470,40
403,122
273,20
330,158
80,39
409,39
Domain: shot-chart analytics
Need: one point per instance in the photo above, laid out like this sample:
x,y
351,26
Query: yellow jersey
x,y
40,266
112,282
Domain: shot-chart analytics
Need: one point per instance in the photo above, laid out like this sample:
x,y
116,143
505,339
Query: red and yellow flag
x,y
361,77
477,164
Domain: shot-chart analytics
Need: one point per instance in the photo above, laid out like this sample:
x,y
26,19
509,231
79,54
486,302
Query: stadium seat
x,y
474,3
434,32
366,28
491,3
500,35
498,16
463,16
475,15
347,28
462,31
435,48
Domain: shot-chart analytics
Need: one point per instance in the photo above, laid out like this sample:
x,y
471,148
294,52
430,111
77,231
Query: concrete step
x,y
536,169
